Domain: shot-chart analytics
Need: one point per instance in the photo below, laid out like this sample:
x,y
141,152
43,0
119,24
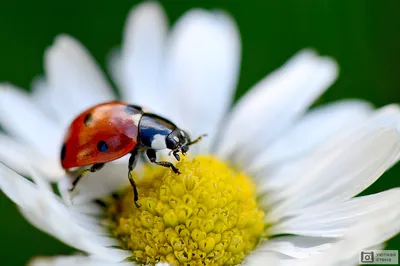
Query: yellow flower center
x,y
207,215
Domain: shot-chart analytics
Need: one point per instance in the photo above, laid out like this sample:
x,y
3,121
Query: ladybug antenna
x,y
197,140
184,148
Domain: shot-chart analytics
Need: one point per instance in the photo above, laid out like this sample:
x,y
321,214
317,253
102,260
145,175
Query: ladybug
x,y
108,131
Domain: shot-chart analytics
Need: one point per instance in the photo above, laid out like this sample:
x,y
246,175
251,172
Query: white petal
x,y
30,216
114,67
388,116
162,264
76,260
90,208
202,70
19,157
314,128
22,118
17,188
275,103
335,219
262,259
76,81
366,234
339,173
143,55
297,246
95,185
47,211
42,97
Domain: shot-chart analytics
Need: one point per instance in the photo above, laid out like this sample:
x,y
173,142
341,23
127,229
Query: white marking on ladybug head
x,y
176,138
158,142
182,133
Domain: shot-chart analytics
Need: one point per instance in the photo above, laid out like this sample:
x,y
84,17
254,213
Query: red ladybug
x,y
110,130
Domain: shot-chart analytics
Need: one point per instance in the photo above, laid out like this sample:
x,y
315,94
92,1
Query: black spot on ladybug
x,y
88,119
102,146
133,109
63,151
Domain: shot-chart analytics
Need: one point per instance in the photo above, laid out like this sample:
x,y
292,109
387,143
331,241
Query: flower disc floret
x,y
207,215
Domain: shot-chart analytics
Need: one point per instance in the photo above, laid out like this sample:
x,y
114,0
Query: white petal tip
x,y
309,52
200,16
63,45
62,38
148,7
147,11
326,62
331,65
62,41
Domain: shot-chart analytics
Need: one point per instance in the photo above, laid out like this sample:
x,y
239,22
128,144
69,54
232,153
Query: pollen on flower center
x,y
207,215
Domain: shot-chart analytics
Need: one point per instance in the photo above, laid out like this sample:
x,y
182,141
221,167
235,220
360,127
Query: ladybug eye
x,y
102,146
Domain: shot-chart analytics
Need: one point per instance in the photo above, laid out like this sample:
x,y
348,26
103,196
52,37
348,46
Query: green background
x,y
363,35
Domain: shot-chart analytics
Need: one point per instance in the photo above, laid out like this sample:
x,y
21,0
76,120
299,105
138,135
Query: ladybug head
x,y
158,133
178,141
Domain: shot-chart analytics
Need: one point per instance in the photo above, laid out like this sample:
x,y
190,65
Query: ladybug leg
x,y
176,155
92,169
132,164
151,154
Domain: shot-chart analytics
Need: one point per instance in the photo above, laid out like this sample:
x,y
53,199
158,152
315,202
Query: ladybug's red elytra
x,y
110,130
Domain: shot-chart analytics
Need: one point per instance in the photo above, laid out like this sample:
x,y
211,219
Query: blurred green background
x,y
363,35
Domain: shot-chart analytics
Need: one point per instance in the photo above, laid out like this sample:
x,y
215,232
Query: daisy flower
x,y
274,183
